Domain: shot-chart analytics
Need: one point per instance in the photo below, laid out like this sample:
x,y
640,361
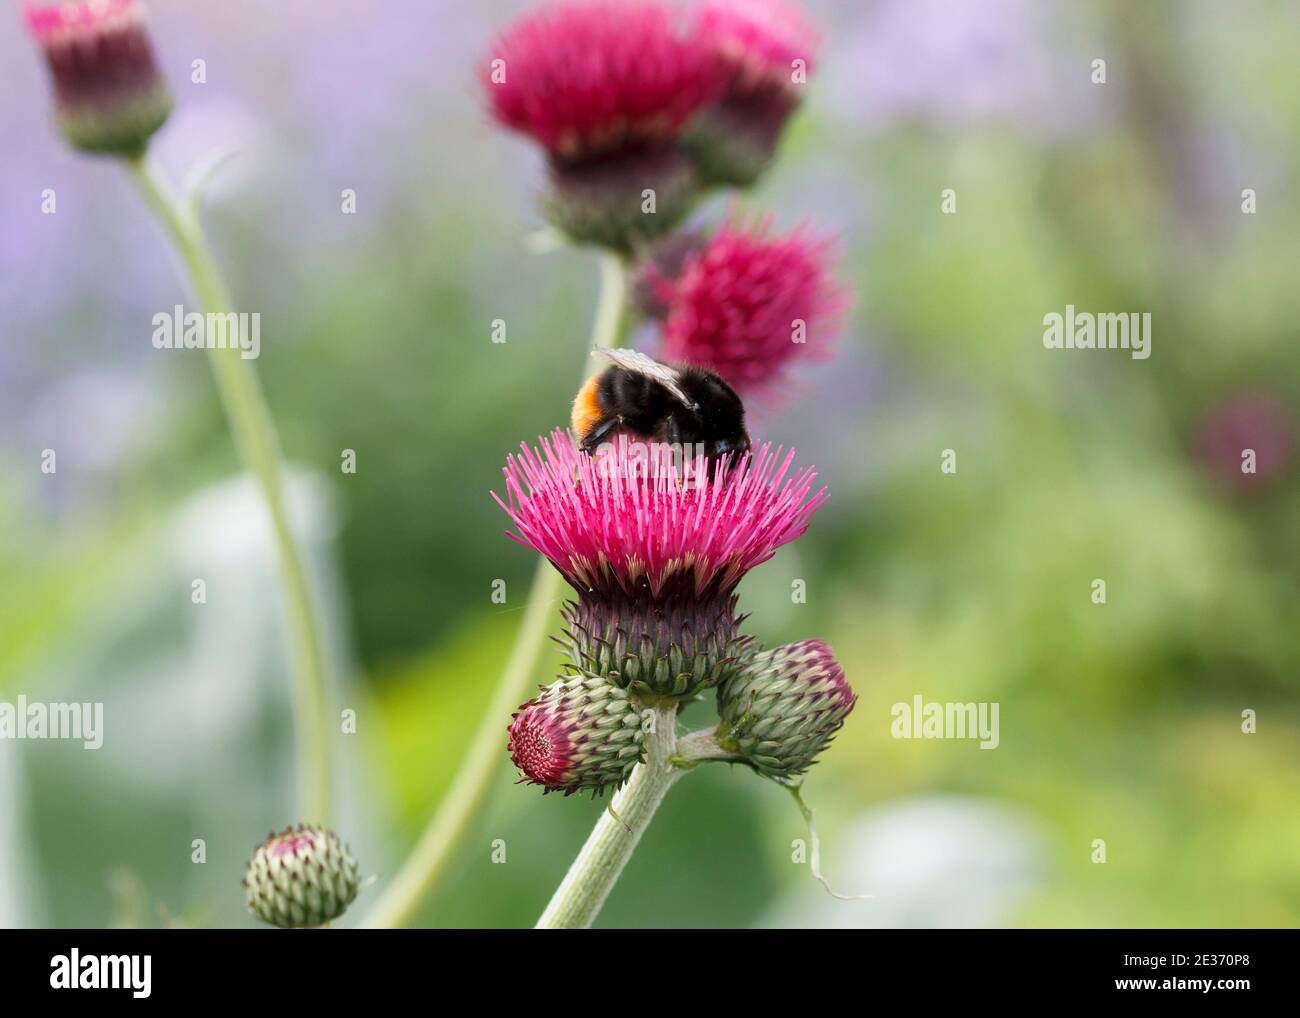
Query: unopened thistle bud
x,y
783,708
109,94
583,732
304,876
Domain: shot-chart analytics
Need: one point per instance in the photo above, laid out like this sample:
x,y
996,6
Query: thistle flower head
x,y
761,41
583,732
783,707
617,523
751,302
764,50
109,94
655,550
605,88
584,78
303,876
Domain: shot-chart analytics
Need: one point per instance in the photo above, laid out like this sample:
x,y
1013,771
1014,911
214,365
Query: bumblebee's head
x,y
738,445
718,412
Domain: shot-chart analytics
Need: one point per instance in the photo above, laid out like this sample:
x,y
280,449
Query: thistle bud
x,y
301,877
583,732
784,707
109,94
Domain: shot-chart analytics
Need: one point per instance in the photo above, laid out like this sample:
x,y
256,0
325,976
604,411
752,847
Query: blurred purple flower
x,y
1254,422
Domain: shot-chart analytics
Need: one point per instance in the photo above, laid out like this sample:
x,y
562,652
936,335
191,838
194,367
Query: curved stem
x,y
418,875
469,789
582,893
613,319
699,747
254,431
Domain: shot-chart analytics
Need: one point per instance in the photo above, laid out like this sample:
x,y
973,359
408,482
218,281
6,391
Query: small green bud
x,y
783,708
583,732
303,876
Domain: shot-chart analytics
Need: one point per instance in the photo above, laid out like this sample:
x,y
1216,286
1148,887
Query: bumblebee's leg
x,y
598,433
671,452
672,431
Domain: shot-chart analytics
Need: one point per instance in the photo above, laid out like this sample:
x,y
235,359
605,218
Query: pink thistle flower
x,y
109,94
605,87
612,527
750,303
765,51
589,77
655,552
762,41
581,733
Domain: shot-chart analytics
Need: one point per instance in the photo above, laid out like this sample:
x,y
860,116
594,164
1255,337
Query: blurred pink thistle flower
x,y
588,77
605,88
762,41
765,51
749,303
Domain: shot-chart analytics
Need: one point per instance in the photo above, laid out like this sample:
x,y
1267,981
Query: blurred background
x,y
1120,722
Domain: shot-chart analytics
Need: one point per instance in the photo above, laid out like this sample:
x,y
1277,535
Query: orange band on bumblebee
x,y
587,413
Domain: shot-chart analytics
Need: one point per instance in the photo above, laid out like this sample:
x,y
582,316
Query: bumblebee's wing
x,y
631,360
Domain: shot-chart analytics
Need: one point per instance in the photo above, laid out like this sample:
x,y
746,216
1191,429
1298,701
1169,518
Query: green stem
x,y
613,320
699,747
255,437
450,822
472,784
582,893
593,874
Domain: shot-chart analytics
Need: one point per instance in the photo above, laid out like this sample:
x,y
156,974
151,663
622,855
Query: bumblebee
x,y
682,406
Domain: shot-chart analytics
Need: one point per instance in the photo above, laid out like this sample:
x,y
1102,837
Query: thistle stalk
x,y
244,402
582,893
419,874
